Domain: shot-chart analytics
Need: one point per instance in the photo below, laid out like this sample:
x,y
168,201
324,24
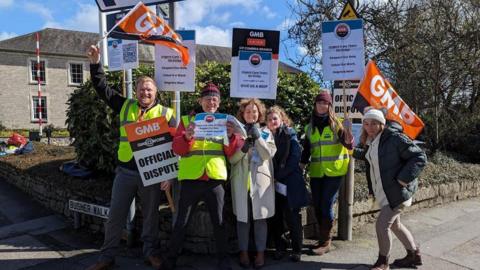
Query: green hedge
x,y
95,127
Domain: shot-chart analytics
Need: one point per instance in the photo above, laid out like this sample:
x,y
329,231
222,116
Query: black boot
x,y
412,259
381,263
325,238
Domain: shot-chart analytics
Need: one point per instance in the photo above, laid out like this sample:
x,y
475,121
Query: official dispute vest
x,y
129,114
328,156
205,155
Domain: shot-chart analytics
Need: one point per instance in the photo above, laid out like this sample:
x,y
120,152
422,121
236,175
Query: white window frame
x,y
32,109
29,64
69,75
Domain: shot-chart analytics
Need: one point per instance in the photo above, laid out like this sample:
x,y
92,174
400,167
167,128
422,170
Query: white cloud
x,y
39,9
6,3
86,19
302,50
285,25
7,35
193,12
238,24
268,12
212,35
221,19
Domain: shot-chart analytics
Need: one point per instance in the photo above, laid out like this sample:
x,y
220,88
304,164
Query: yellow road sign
x,y
348,12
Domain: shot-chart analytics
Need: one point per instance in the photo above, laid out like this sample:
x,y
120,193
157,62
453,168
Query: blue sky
x,y
212,19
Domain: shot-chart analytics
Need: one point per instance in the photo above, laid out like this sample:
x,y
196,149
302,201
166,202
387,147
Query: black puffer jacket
x,y
399,159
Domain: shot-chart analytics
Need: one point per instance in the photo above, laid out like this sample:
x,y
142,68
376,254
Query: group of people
x,y
266,163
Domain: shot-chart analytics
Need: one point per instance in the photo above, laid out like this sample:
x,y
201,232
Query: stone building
x,y
63,68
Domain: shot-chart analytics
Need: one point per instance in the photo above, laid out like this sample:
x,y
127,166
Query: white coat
x,y
262,189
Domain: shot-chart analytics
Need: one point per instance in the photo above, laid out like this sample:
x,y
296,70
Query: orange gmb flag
x,y
142,23
376,91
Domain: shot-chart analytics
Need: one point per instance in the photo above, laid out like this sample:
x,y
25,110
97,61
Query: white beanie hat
x,y
375,115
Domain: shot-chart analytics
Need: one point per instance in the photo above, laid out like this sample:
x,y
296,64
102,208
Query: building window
x,y
33,71
36,107
75,73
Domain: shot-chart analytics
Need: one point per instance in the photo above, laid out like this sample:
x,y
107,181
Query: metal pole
x,y
128,82
176,108
176,94
102,29
39,83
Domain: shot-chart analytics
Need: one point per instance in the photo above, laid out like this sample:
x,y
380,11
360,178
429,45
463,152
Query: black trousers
x,y
294,222
191,192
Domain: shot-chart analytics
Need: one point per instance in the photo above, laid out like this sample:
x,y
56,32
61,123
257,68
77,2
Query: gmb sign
x,y
110,5
151,143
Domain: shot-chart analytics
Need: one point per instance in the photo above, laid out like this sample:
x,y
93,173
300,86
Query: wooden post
x,y
345,203
346,194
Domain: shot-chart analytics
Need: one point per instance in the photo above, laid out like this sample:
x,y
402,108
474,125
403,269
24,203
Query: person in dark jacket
x,y
127,180
291,192
394,163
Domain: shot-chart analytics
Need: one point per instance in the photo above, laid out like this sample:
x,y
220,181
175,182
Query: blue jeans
x,y
324,195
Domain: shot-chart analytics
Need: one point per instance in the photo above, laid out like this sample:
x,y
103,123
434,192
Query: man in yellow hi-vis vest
x,y
202,174
127,181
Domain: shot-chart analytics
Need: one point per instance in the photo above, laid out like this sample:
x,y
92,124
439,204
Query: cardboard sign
x,y
151,143
376,91
342,50
350,93
170,73
122,54
211,125
254,63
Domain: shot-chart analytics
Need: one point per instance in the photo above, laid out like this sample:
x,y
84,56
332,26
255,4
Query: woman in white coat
x,y
253,193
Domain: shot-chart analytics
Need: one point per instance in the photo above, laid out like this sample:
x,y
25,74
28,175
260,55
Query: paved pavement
x,y
34,238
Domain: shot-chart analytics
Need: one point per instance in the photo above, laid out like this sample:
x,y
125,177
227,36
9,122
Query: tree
x,y
429,50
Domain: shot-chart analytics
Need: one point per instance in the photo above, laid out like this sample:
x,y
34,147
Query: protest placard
x,y
151,144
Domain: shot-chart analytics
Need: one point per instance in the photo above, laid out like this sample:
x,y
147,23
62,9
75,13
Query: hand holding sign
x,y
230,129
190,131
347,125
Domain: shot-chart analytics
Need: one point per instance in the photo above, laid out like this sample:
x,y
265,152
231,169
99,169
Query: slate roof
x,y
75,43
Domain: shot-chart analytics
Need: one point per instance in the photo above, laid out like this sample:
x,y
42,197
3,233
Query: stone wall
x,y
199,238
425,197
16,89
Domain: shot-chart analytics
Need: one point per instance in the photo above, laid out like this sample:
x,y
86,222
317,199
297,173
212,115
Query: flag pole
x,y
344,98
119,22
39,108
174,188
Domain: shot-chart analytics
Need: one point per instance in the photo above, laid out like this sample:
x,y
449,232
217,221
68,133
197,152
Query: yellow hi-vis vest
x,y
204,156
328,156
129,114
